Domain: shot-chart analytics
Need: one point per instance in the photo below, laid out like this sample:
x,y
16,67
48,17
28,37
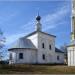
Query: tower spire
x,y
73,25
38,24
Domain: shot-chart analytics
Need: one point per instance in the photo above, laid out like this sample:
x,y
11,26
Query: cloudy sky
x,y
17,18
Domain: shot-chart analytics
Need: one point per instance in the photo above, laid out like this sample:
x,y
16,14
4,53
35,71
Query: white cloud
x,y
12,38
49,21
53,26
55,19
28,26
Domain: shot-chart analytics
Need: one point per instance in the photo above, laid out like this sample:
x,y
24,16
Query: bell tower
x,y
71,47
73,24
73,29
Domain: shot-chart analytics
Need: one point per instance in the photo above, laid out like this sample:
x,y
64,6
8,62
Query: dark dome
x,y
38,18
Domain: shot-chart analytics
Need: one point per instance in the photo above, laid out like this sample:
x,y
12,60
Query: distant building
x,y
71,47
37,47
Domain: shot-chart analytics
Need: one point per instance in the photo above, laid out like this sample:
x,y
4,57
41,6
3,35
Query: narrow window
x,y
57,57
43,45
20,55
10,56
50,47
43,56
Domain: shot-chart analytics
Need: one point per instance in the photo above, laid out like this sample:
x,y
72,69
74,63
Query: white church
x,y
36,48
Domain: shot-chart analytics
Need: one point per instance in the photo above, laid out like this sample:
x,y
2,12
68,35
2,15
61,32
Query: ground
x,y
36,69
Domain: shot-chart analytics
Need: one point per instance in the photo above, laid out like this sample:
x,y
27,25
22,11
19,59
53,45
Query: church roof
x,y
23,43
26,43
71,45
40,32
58,50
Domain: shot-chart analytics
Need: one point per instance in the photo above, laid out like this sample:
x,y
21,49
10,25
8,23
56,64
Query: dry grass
x,y
37,69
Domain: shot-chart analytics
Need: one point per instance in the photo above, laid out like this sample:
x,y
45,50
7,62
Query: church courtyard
x,y
36,69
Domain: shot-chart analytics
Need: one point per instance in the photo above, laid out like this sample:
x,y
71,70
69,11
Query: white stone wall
x,y
61,57
49,54
35,56
13,57
71,56
29,56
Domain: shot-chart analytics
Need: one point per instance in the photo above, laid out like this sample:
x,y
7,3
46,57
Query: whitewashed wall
x,y
13,57
29,56
35,56
50,54
71,56
61,57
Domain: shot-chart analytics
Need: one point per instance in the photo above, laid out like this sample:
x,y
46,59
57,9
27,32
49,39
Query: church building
x,y
71,47
35,48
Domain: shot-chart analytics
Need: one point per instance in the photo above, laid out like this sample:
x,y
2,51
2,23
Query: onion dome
x,y
38,18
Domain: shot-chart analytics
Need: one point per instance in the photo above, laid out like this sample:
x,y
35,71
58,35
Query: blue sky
x,y
17,19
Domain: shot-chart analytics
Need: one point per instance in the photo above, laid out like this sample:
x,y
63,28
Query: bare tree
x,y
64,48
2,40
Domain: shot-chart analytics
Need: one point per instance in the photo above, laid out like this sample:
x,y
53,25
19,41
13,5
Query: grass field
x,y
36,69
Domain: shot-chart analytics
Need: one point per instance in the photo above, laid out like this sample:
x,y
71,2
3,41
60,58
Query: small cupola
x,y
38,24
38,18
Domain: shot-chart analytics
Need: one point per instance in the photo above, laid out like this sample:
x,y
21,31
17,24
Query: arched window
x,y
43,56
10,56
20,55
43,46
57,57
50,47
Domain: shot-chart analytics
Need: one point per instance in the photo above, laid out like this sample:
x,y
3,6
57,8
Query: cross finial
x,y
38,16
38,12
